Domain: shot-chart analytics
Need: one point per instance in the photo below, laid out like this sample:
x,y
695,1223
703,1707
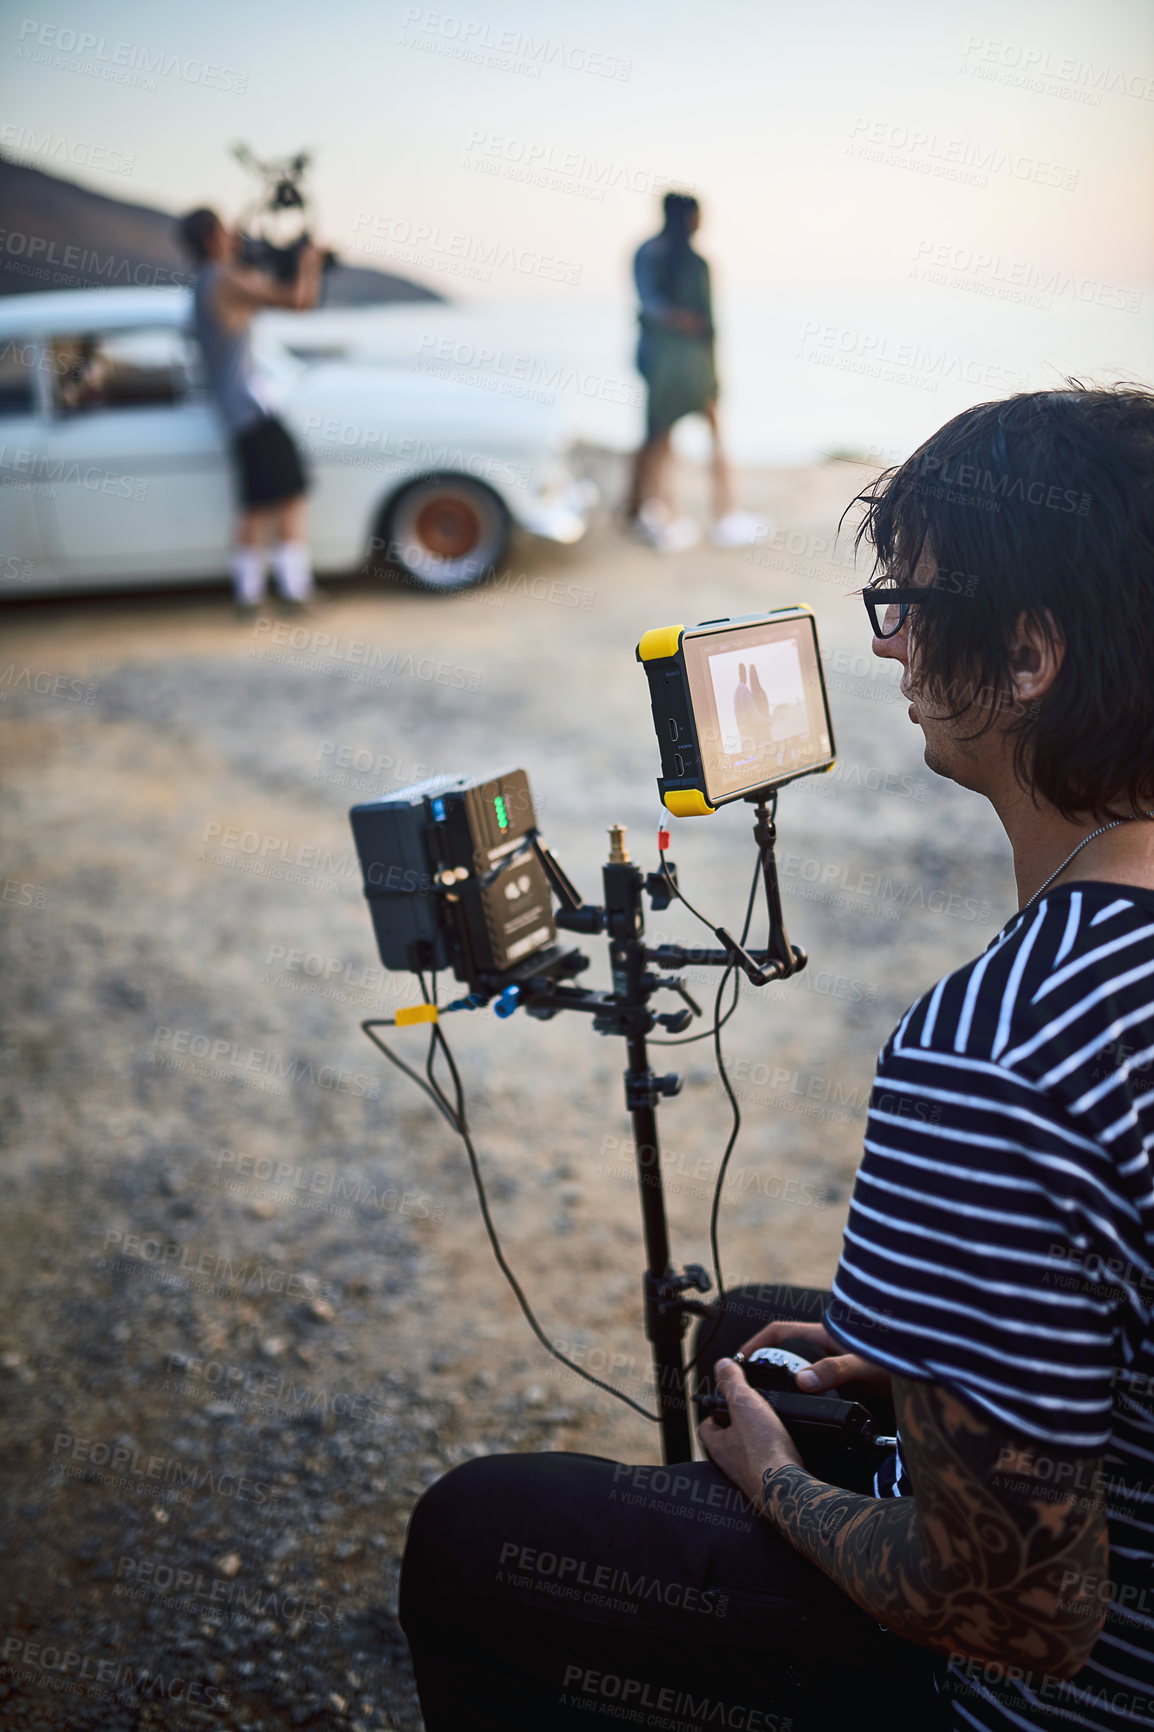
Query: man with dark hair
x,y
675,357
997,1276
270,474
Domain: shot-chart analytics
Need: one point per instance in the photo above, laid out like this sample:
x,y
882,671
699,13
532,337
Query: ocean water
x,y
866,370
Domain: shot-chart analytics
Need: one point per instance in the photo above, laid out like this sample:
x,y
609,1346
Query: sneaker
x,y
740,529
315,602
667,534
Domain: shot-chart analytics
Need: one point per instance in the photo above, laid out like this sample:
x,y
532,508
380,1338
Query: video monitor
x,y
739,705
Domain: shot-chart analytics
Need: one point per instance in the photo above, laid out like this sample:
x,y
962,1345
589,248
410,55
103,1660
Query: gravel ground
x,y
249,1309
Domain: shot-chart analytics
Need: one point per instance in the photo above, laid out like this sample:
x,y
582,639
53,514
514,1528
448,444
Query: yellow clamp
x,y
662,641
687,803
415,1013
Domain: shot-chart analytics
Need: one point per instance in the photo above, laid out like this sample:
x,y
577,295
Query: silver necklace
x,y
1094,834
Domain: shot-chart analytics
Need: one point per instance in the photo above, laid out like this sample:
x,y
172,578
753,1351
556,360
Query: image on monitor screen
x,y
760,697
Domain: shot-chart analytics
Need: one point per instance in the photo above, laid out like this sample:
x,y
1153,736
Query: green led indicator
x,y
502,814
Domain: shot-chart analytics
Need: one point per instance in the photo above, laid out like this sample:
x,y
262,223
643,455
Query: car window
x,y
17,395
140,368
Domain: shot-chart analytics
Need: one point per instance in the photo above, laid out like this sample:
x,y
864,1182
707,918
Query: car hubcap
x,y
449,528
447,533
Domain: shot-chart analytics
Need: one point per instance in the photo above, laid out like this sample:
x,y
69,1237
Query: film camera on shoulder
x,y
459,878
274,227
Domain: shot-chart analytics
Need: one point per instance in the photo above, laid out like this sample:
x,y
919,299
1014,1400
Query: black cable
x,y
456,1118
429,994
714,1245
706,1033
719,1022
681,896
711,1033
414,1076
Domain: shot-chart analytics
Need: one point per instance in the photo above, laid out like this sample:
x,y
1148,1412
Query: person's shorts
x,y
268,464
681,375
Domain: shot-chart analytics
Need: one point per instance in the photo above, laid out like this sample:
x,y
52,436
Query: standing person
x,y
996,1280
269,470
745,709
675,357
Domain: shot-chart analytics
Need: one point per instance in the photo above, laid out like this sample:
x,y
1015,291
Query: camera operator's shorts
x,y
268,464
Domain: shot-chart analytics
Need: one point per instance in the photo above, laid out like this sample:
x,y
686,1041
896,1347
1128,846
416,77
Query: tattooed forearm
x,y
974,1562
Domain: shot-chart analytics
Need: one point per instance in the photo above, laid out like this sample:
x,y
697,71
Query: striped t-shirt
x,y
1001,1243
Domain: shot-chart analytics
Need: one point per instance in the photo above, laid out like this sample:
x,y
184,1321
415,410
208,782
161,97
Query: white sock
x,y
248,576
291,570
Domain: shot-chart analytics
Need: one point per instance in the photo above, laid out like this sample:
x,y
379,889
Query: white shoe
x,y
665,533
740,529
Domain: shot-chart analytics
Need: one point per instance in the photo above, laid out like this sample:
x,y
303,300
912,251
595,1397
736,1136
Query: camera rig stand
x,y
543,992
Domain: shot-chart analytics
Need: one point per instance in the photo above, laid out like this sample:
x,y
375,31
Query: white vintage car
x,y
114,470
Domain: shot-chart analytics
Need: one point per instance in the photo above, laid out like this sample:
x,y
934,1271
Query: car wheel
x,y
446,532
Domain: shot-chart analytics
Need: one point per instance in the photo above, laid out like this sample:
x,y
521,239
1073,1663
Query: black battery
x,y
451,876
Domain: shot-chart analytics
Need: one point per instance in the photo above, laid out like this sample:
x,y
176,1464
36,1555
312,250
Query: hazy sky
x,y
831,143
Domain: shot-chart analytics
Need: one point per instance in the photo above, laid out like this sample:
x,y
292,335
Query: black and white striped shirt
x,y
1001,1243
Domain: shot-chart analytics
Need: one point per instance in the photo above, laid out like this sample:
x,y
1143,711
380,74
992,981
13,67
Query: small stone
x,y
337,1702
229,1564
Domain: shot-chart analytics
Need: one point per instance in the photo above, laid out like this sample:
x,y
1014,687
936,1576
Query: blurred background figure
x,y
81,373
675,357
745,709
270,475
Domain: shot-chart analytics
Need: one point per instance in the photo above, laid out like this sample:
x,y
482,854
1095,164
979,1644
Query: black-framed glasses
x,y
888,604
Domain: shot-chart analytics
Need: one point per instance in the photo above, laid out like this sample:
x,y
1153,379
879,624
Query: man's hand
x,y
244,290
831,1369
755,1441
981,1559
688,323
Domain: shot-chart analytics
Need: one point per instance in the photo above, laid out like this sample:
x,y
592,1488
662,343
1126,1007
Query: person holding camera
x,y
270,475
995,1292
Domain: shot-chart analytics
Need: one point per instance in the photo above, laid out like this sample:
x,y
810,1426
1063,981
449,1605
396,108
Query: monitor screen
x,y
759,704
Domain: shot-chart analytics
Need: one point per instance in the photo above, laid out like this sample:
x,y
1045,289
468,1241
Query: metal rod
x,y
664,1321
664,1328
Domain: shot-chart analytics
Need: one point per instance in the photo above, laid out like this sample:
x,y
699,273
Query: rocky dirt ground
x,y
249,1308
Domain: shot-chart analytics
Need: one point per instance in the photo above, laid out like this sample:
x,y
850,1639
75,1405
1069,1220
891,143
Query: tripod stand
x,y
625,1011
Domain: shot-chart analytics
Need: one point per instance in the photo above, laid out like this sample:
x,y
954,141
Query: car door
x,y
21,430
135,480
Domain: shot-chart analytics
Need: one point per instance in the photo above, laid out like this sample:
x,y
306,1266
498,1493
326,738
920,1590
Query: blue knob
x,y
508,1001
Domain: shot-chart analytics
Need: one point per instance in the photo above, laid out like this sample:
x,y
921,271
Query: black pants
x,y
543,1591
